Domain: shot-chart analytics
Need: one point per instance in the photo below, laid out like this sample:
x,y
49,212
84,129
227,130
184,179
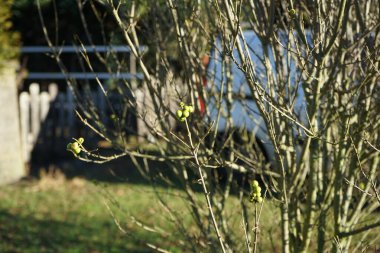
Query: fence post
x,y
25,124
11,162
50,124
44,105
145,109
140,124
53,91
132,70
70,107
100,101
61,113
34,90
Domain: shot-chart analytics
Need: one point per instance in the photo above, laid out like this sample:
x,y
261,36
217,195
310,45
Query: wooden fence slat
x,y
24,102
44,105
30,140
132,70
101,103
53,91
145,109
35,107
141,126
51,124
70,108
34,91
61,113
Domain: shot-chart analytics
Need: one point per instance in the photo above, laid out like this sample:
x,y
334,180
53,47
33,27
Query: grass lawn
x,y
71,213
58,215
55,214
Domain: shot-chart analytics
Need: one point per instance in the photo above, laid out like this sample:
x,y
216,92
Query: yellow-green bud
x,y
185,113
76,150
182,119
179,114
292,12
68,147
74,145
255,183
255,195
189,108
181,104
81,140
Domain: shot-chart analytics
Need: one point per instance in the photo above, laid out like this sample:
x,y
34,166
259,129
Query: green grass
x,y
55,214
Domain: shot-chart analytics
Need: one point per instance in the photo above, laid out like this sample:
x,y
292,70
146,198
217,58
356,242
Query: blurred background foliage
x,y
27,21
9,39
65,27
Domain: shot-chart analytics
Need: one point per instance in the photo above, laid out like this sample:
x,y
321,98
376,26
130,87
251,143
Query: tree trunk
x,y
11,162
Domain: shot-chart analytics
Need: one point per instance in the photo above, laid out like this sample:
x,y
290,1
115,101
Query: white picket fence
x,y
48,117
34,109
35,106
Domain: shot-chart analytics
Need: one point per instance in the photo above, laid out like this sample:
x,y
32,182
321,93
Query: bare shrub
x,y
292,100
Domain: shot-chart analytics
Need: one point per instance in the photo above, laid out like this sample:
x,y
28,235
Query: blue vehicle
x,y
243,110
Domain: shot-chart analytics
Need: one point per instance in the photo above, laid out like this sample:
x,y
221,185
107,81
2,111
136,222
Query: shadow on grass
x,y
18,234
122,170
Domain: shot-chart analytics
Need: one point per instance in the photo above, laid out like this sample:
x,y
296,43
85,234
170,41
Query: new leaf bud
x,y
185,113
179,114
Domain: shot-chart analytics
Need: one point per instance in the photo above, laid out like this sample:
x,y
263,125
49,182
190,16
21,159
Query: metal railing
x,y
131,75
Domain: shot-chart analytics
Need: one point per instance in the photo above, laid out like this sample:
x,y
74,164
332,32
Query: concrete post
x,y
11,161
